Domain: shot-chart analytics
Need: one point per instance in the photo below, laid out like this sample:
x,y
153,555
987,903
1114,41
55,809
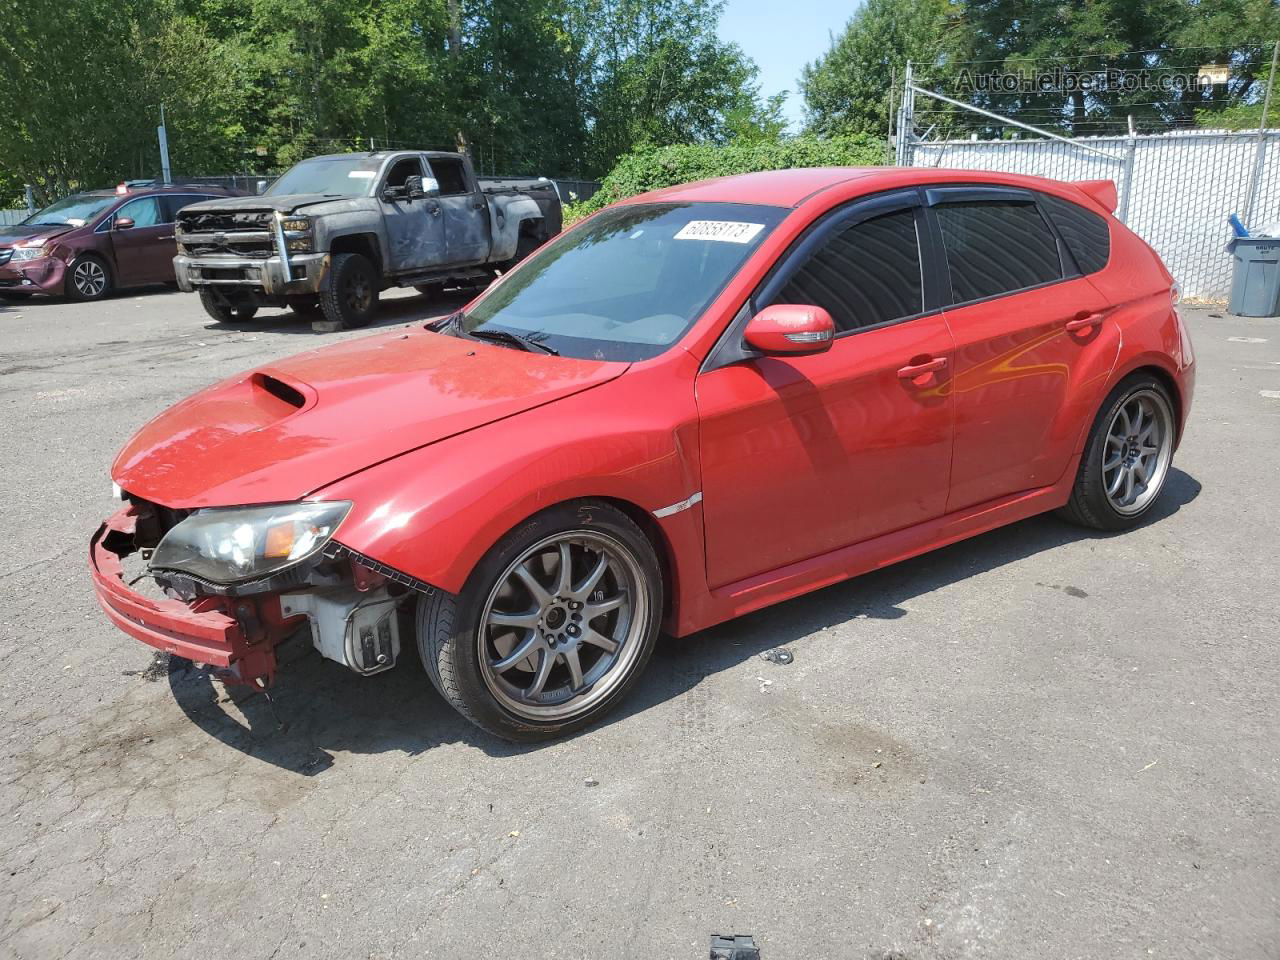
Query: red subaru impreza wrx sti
x,y
696,403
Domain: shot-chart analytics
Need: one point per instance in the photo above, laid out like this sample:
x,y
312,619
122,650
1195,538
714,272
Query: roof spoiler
x,y
1103,191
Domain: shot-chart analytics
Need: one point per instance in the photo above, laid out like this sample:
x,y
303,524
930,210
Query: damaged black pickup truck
x,y
334,231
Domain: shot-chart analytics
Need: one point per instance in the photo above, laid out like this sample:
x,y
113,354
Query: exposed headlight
x,y
247,543
28,253
296,223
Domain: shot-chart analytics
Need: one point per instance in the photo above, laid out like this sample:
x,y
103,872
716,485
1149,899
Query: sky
x,y
781,43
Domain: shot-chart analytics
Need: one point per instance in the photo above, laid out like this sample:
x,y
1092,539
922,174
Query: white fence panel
x,y
1183,186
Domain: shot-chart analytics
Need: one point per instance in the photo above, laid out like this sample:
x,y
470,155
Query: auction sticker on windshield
x,y
725,231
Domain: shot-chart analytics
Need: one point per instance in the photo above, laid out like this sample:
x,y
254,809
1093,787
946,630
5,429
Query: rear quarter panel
x,y
1137,284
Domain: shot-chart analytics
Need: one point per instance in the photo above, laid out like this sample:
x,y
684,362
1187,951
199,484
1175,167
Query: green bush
x,y
651,168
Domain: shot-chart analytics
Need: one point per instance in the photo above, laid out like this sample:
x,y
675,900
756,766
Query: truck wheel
x,y
350,293
553,627
225,312
88,278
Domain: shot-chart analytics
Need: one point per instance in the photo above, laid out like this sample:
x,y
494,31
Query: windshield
x,y
332,176
628,283
73,211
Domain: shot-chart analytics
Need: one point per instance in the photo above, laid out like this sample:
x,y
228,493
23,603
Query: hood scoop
x,y
277,389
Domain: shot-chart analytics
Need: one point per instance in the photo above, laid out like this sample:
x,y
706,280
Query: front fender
x,y
434,512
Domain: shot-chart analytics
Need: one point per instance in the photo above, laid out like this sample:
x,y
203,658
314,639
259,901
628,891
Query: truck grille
x,y
232,234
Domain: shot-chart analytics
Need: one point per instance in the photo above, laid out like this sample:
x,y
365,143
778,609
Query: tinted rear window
x,y
865,274
996,247
1085,233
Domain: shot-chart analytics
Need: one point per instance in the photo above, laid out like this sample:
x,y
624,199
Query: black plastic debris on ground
x,y
737,946
779,655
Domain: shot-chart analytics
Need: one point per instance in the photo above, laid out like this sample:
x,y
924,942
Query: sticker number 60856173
x,y
725,231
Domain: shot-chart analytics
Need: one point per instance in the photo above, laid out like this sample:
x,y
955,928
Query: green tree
x,y
848,89
90,82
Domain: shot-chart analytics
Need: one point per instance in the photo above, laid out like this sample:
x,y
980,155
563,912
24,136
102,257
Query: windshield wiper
x,y
528,344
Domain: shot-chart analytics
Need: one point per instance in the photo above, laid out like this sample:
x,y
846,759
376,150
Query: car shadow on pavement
x,y
319,708
391,312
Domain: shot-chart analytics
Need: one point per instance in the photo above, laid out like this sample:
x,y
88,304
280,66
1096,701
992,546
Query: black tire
x,y
450,642
308,307
88,278
1090,505
224,311
350,294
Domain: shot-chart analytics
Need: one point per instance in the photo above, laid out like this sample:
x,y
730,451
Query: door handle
x,y
1084,323
435,210
478,205
913,370
167,237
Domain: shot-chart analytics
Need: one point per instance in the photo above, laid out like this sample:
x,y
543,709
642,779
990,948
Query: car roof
x,y
790,188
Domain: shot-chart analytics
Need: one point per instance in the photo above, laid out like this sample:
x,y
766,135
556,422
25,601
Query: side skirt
x,y
793,580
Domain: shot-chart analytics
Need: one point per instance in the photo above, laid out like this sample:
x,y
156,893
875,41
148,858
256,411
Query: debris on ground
x,y
779,655
764,684
736,946
590,782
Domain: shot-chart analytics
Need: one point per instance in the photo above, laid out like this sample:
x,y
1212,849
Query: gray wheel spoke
x,y
525,621
592,610
1112,463
1128,485
521,651
607,644
1113,487
540,680
574,663
540,594
583,590
565,582
1141,470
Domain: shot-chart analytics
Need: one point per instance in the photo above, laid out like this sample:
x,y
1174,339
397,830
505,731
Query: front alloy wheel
x,y
89,279
552,628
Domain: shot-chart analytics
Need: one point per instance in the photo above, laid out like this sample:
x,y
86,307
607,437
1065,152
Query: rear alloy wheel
x,y
350,294
1127,458
552,628
88,278
223,310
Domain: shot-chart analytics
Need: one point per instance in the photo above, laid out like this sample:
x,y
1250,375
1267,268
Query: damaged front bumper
x,y
236,634
236,276
352,609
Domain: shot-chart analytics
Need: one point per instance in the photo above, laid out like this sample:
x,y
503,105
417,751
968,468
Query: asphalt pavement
x,y
1039,743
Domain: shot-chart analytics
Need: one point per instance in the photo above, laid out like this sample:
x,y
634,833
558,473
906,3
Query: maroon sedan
x,y
87,244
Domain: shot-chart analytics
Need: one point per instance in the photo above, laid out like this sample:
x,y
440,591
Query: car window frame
x,y
109,221
731,348
394,162
462,170
935,195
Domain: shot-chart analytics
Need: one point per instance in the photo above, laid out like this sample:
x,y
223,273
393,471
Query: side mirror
x,y
791,329
413,188
122,223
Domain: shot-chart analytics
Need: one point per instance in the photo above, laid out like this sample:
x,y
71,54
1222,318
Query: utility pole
x,y
1260,154
164,149
906,119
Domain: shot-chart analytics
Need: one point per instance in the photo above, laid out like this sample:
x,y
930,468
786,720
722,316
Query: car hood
x,y
282,431
18,232
285,204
